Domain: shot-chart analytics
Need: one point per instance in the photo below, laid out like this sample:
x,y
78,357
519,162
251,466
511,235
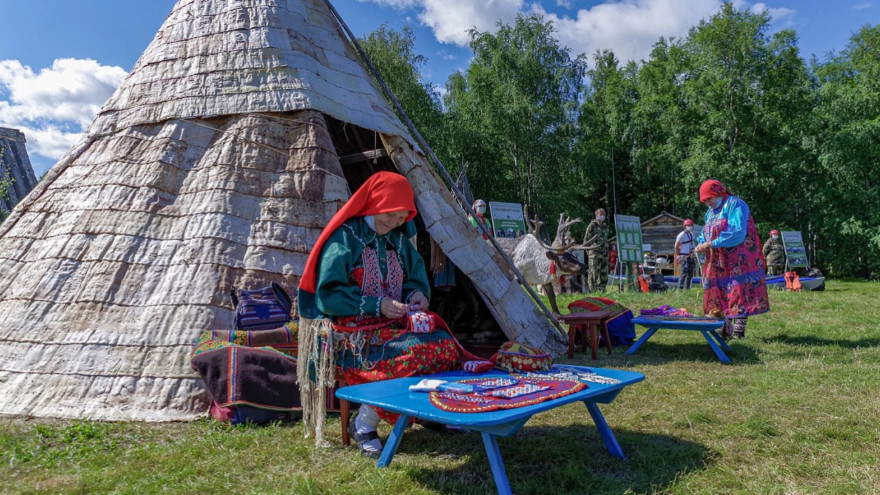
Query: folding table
x,y
394,395
706,326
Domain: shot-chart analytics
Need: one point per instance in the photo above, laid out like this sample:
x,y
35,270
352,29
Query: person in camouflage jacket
x,y
597,240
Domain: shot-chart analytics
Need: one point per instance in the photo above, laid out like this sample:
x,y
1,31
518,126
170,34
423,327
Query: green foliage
x,y
534,125
5,186
393,54
515,112
848,148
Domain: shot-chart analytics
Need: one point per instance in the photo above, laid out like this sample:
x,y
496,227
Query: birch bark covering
x,y
111,273
218,57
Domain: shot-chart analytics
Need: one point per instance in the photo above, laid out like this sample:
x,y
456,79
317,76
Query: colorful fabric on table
x,y
596,304
533,391
696,319
620,327
659,310
733,274
665,310
513,356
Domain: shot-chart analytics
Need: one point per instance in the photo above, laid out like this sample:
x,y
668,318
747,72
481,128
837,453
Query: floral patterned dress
x,y
733,274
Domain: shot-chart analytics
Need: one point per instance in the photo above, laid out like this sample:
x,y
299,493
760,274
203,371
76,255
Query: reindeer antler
x,y
565,224
534,227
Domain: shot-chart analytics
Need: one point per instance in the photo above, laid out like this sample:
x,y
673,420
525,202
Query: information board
x,y
795,252
507,219
629,238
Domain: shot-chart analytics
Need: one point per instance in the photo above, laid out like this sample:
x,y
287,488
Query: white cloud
x,y
862,6
627,27
778,14
53,106
49,141
452,19
630,28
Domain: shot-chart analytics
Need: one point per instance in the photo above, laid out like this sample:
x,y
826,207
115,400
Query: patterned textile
x,y
620,327
282,339
251,367
371,349
665,310
733,277
533,391
420,322
254,376
595,304
513,356
261,309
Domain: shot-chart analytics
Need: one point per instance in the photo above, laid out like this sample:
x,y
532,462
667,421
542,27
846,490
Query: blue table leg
x,y
393,441
718,352
497,465
644,338
604,430
720,340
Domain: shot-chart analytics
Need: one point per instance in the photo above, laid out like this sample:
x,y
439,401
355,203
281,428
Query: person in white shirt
x,y
684,255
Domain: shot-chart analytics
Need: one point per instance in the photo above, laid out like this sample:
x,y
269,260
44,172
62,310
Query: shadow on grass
x,y
816,341
655,353
554,459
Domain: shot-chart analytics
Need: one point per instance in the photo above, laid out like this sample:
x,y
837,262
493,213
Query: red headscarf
x,y
713,189
383,192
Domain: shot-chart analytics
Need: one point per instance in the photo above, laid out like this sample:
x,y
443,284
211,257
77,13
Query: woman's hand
x,y
702,247
418,301
393,309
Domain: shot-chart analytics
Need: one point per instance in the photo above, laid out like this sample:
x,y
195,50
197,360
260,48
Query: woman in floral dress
x,y
368,279
733,275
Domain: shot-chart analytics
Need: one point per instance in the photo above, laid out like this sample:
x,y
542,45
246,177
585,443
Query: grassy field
x,y
797,412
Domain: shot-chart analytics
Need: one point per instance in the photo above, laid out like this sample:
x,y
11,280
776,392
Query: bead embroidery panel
x,y
522,393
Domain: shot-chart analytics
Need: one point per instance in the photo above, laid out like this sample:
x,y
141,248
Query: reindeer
x,y
542,263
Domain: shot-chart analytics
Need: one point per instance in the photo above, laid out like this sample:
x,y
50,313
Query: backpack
x,y
261,309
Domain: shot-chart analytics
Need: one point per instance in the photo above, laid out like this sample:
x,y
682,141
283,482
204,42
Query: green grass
x,y
797,412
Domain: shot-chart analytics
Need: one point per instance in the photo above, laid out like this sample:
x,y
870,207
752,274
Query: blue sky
x,y
61,59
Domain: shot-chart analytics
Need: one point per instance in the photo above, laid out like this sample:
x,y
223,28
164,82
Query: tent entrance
x,y
361,154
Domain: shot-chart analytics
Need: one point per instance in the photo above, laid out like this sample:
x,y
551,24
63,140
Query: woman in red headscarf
x,y
733,275
367,278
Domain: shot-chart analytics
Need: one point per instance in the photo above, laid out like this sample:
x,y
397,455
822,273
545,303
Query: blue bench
x,y
708,327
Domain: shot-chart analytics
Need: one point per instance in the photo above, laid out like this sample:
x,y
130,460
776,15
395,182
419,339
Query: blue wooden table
x,y
707,327
394,395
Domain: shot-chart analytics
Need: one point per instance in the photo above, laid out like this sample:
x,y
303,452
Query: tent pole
x,y
418,136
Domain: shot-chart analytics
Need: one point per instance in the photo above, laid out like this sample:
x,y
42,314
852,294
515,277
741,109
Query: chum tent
x,y
238,133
